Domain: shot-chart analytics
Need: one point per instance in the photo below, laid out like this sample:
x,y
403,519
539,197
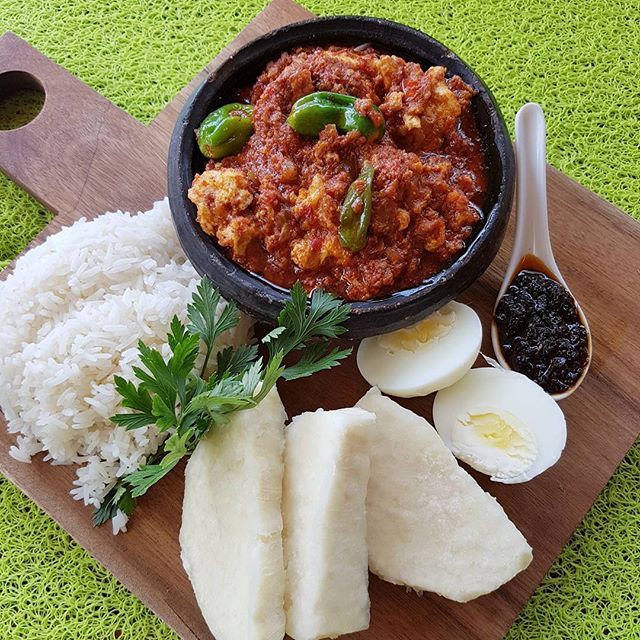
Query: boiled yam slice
x,y
231,535
325,486
430,526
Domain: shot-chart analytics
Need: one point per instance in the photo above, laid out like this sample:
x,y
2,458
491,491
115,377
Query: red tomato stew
x,y
290,205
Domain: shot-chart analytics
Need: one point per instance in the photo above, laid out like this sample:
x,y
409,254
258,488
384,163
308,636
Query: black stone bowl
x,y
262,299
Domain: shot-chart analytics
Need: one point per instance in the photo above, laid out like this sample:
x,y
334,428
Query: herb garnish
x,y
175,397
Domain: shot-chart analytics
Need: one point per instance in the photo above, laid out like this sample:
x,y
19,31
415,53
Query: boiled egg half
x,y
501,423
430,355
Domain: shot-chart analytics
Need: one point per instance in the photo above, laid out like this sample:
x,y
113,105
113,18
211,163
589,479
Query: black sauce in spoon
x,y
541,333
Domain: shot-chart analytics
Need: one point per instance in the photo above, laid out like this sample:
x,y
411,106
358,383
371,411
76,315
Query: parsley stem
x,y
206,360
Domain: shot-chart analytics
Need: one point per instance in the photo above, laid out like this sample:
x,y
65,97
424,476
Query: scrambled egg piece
x,y
349,58
388,68
433,109
316,200
220,195
317,206
311,252
423,106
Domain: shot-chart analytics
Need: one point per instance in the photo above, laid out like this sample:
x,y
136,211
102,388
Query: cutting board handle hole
x,y
22,97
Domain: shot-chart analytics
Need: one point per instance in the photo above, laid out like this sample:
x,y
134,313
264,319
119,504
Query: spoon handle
x,y
532,230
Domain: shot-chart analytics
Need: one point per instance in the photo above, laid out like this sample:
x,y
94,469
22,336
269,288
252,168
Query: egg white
x,y
539,425
431,366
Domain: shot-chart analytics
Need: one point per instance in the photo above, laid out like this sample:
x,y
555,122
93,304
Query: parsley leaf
x,y
300,323
234,360
315,358
117,499
202,317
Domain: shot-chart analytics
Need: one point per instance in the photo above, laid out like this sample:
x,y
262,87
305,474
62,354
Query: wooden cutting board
x,y
82,155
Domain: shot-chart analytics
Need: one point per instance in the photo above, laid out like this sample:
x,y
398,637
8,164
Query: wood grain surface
x,y
82,155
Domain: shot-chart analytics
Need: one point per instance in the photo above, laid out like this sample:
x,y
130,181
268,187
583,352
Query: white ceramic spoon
x,y
532,245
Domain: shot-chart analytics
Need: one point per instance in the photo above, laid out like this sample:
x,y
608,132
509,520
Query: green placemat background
x,y
580,60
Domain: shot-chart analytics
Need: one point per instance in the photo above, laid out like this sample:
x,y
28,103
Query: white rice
x,y
71,315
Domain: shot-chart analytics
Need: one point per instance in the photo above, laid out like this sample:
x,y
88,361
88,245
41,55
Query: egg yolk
x,y
495,430
432,328
495,443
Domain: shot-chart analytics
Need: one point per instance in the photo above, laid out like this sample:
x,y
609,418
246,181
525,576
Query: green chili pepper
x,y
355,213
311,114
225,131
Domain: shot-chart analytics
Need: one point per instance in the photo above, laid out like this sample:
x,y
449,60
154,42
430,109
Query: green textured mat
x,y
579,60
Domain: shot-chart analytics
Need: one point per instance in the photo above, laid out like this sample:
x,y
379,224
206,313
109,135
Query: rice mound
x,y
71,314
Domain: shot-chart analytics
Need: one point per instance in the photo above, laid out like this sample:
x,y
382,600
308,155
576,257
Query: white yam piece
x,y
231,535
430,526
325,548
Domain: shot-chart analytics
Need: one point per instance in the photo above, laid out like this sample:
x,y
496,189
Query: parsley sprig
x,y
181,399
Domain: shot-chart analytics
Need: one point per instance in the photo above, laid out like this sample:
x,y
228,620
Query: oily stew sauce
x,y
275,206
